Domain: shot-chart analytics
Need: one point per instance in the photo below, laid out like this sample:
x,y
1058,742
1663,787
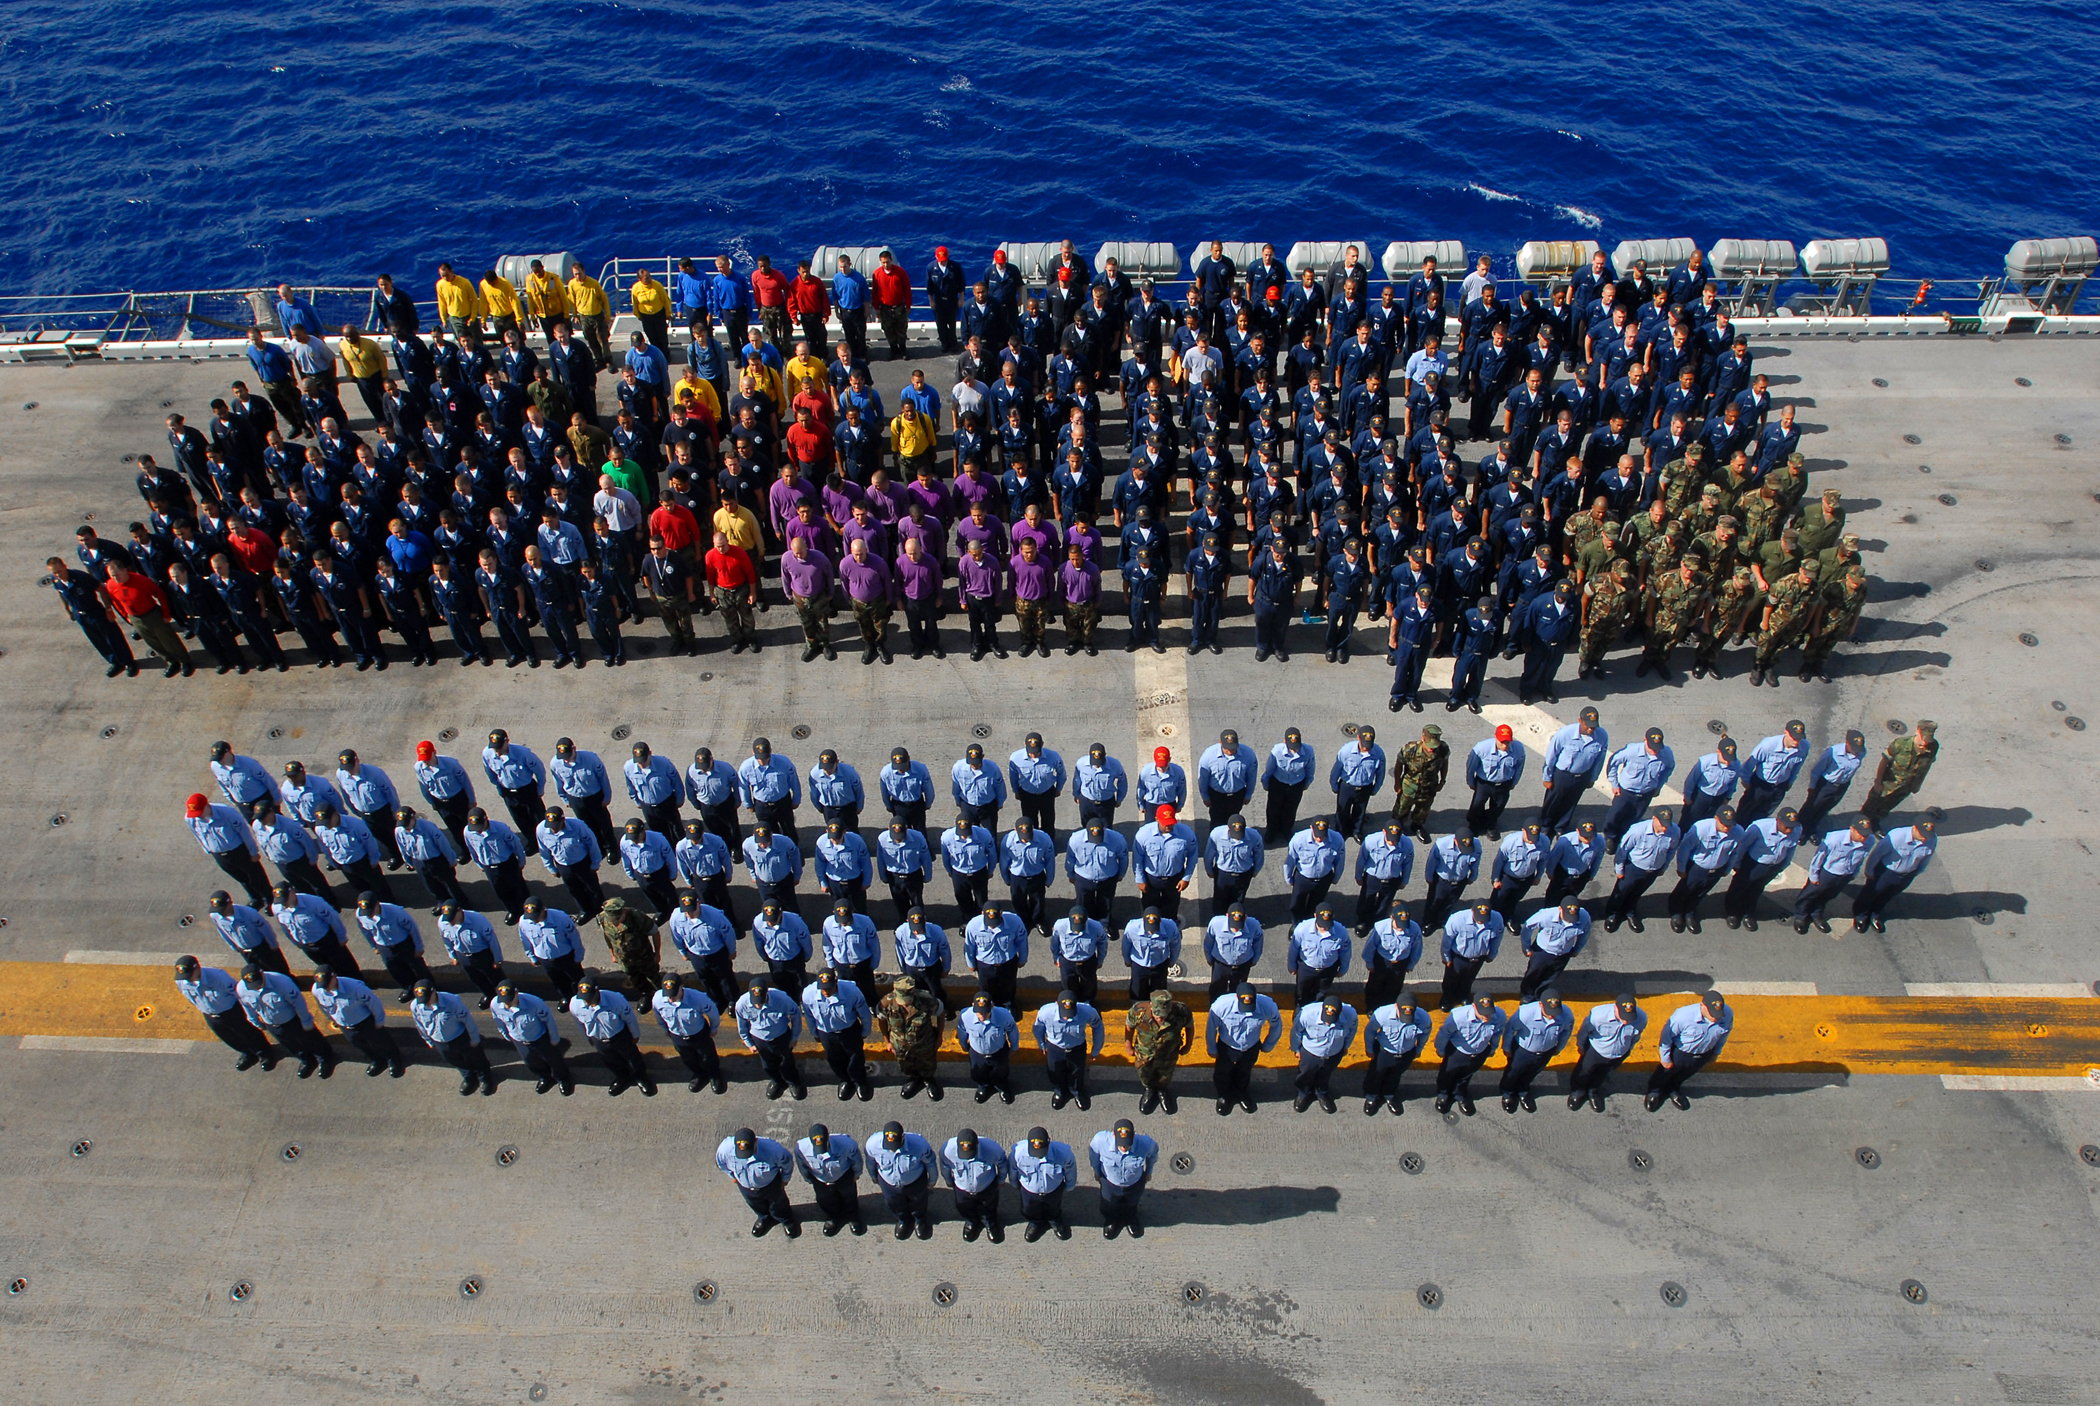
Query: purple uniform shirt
x,y
866,580
1087,540
1031,578
1082,583
973,488
811,576
934,494
1049,542
980,576
991,532
919,580
782,497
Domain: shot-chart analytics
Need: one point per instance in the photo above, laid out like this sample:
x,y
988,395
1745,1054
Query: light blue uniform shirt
x,y
472,933
1309,856
244,780
1609,1036
1106,782
836,788
244,929
348,841
910,1160
1518,857
655,784
309,920
1467,1032
1037,775
1768,844
424,842
1096,863
1162,788
843,860
1039,1176
210,991
1394,1033
847,1009
1492,763
1634,768
1242,1030
896,858
1229,947
714,787
1084,943
1380,857
839,1159
369,792
1400,945
1690,1031
703,932
979,785
1358,766
923,949
1469,937
1839,856
1645,848
987,1034
222,831
1572,854
390,926
1548,932
580,776
1223,773
1538,1030
1312,1033
277,1000
1774,763
351,1003
1151,948
1712,775
444,779
306,799
1452,864
970,853
1315,950
778,1017
1901,852
284,840
776,862
704,858
1118,1167
608,1018
855,940
1162,855
983,945
972,1175
774,779
1053,1027
785,939
1709,847
1032,858
499,844
767,1164
1577,753
514,768
445,1018
911,786
551,936
1287,768
572,844
1225,853
529,1020
1835,766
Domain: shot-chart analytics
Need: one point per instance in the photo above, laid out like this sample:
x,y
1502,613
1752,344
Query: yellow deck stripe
x,y
1797,1034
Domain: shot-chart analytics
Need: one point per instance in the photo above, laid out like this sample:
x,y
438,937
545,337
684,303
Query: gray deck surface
x,y
1549,1248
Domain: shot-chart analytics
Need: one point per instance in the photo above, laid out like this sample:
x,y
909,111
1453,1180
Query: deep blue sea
x,y
156,146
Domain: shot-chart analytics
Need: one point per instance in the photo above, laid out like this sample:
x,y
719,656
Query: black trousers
x,y
1458,981
543,1057
508,880
365,877
526,808
592,811
1228,888
581,880
1350,803
777,1058
1027,905
1306,895
1875,894
1146,980
1382,1078
908,1202
442,879
623,1057
970,890
334,956
1374,900
1692,886
700,1056
374,1041
382,826
562,974
1560,802
247,871
716,973
1312,982
1045,1209
1457,1071
1082,979
235,1032
483,970
1626,893
657,888
1747,887
998,979
1224,805
992,1071
1227,976
1591,1071
463,1054
307,1044
1314,1071
1545,968
1119,1204
305,876
404,964
1067,1069
1233,1070
979,1207
770,1201
1283,812
1038,808
1383,980
1485,814
907,891
1818,895
1096,898
846,1052
1667,1081
1523,1067
839,1200
270,959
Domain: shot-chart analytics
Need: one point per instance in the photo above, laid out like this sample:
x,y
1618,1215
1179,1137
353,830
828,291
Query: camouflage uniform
x,y
910,1018
1699,519
1581,530
1682,490
1822,522
1791,482
1721,548
1159,1032
1080,620
1731,606
1663,554
1833,563
1786,616
1903,769
1598,553
1834,621
1679,604
1418,774
1763,515
634,944
1778,560
1611,599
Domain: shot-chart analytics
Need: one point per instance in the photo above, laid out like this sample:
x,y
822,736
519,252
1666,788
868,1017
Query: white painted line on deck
x,y
102,1044
1163,712
1766,988
1966,989
95,957
2021,1083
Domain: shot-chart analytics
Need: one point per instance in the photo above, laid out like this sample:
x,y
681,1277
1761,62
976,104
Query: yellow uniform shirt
x,y
807,366
693,387
545,296
648,298
911,433
499,297
362,359
735,521
457,298
587,296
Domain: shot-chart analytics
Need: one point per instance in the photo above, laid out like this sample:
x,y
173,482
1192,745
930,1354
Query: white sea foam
x,y
1482,190
1581,216
1571,136
957,84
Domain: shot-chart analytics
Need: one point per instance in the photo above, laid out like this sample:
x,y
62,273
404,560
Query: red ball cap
x,y
1161,756
998,256
197,805
1503,732
940,251
425,751
1164,815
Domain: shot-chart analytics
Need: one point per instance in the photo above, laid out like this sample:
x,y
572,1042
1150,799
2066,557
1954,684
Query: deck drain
x,y
1429,1296
1986,564
1867,1157
2029,638
1717,727
1924,468
800,732
275,733
1412,1163
1984,917
108,732
2075,724
2090,1154
241,1292
1897,726
1640,1161
470,1287
2057,704
16,1286
980,731
2064,441
186,920
1948,500
538,1392
707,678
621,732
1912,439
506,1155
2022,381
29,405
705,1291
167,405
131,458
291,1152
1193,1293
1183,1163
1913,1290
1880,384
945,1294
83,1147
447,734
58,820
1673,1293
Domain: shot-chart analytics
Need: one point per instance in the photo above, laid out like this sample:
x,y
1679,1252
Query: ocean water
x,y
151,146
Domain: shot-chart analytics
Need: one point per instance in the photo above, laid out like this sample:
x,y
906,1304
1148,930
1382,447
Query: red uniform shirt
x,y
730,567
137,595
676,525
769,287
892,286
807,298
